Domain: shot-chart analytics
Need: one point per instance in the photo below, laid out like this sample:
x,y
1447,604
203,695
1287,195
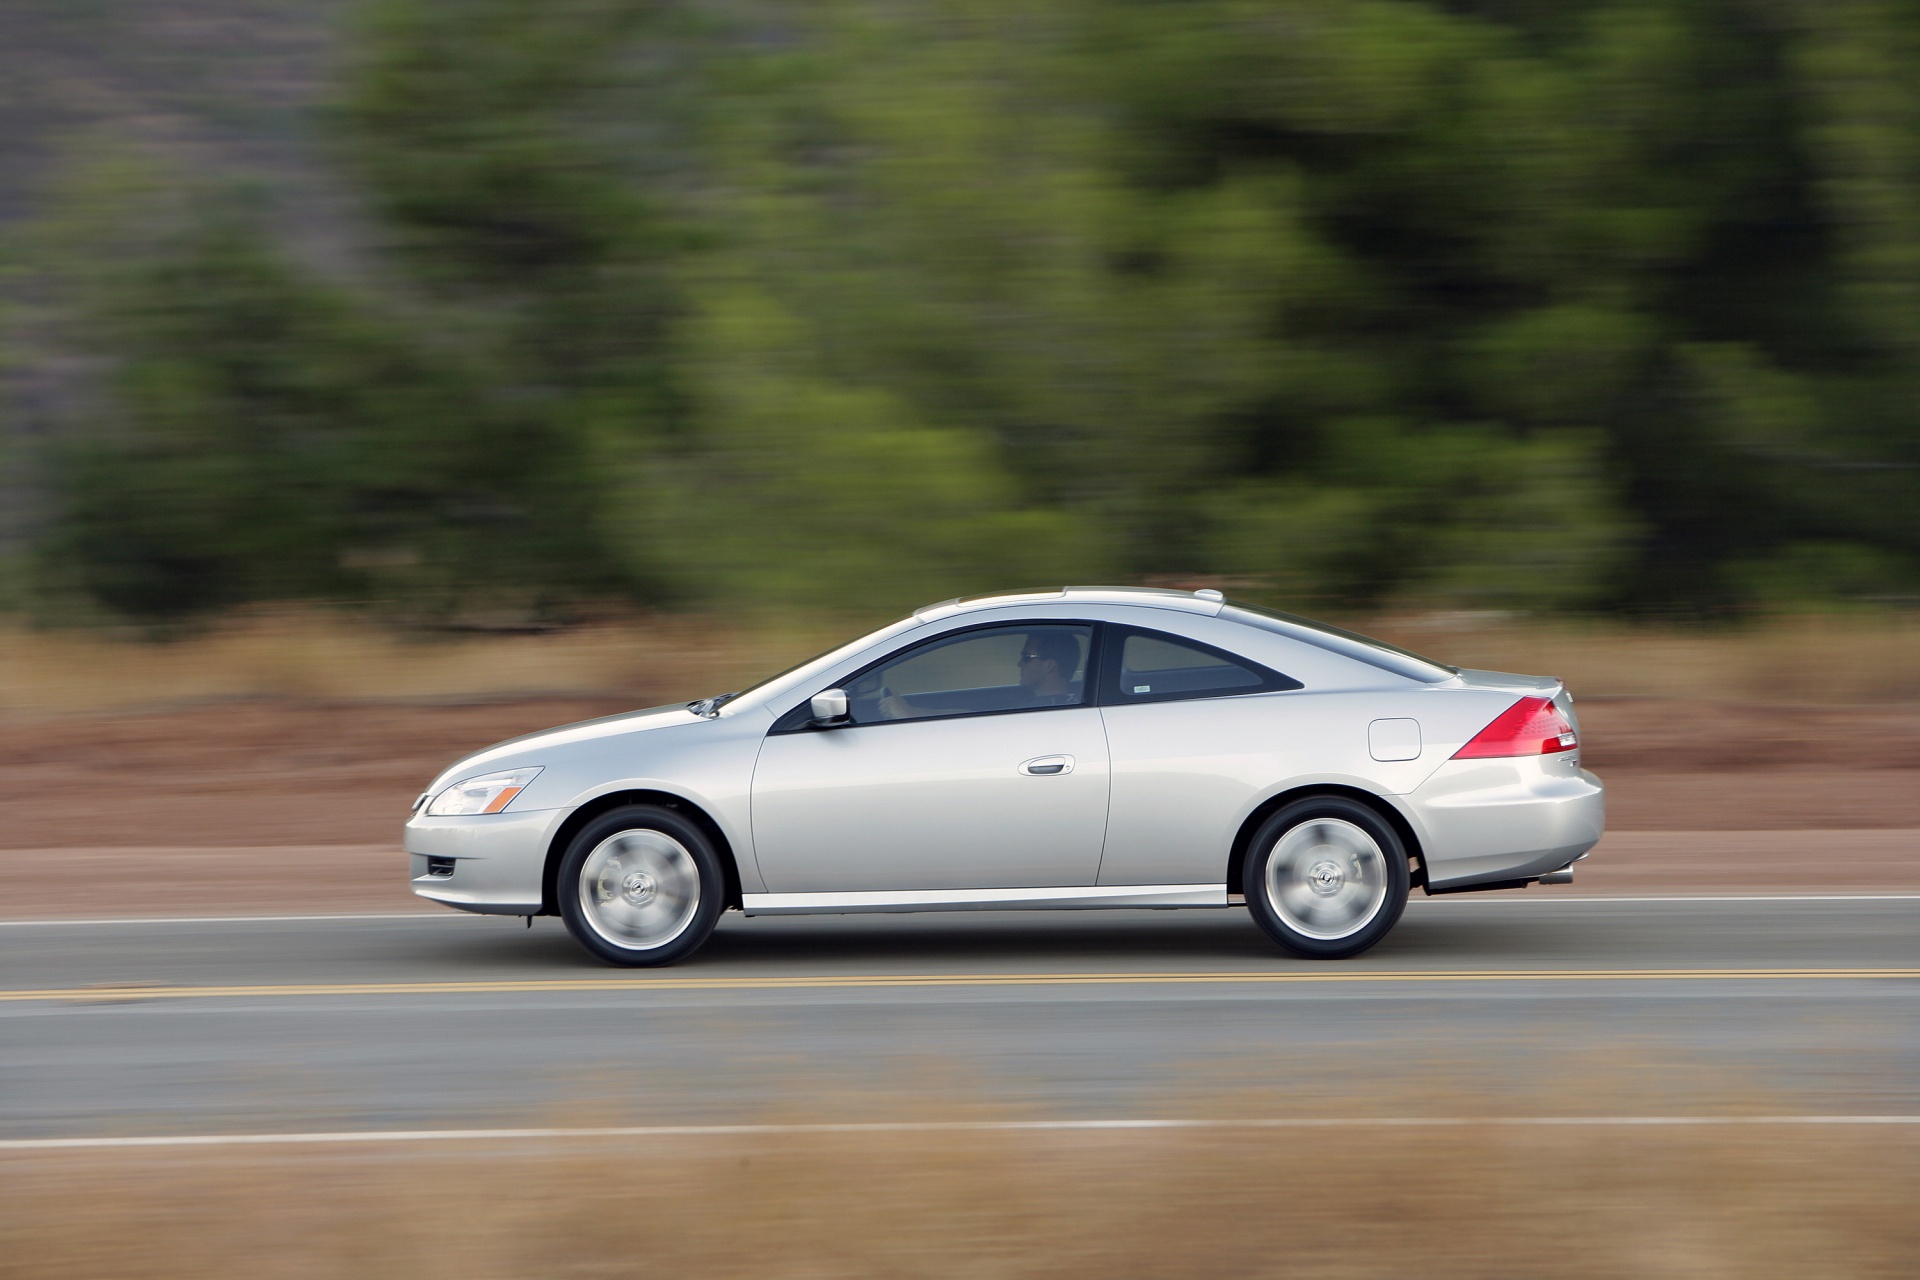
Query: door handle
x,y
1047,765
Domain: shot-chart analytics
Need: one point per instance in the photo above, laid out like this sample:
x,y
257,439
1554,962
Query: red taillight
x,y
1530,727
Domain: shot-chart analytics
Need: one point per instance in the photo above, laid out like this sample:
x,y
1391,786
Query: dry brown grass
x,y
1818,659
313,654
1473,1202
319,655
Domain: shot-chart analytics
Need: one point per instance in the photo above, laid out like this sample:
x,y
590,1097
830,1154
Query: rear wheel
x,y
1326,877
640,886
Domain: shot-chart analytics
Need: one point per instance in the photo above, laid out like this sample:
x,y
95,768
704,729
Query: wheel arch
x,y
1243,839
579,818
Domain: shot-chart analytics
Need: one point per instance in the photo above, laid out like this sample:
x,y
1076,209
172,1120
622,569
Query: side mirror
x,y
829,709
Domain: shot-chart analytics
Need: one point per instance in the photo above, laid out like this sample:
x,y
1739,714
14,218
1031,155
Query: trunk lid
x,y
1520,686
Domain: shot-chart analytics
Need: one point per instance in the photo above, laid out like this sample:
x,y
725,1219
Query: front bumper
x,y
1492,821
496,860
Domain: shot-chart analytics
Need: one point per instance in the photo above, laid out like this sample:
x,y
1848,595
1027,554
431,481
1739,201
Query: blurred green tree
x,y
267,436
1551,306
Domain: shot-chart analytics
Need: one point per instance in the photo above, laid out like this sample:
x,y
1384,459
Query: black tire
x,y
1326,877
641,885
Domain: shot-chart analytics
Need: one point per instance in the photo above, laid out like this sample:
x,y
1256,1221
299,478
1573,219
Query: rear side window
x,y
1348,644
1150,666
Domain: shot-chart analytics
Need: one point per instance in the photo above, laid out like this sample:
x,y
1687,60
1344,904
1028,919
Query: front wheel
x,y
640,886
1326,877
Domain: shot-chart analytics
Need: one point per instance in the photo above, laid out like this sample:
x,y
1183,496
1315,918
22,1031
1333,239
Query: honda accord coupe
x,y
1076,748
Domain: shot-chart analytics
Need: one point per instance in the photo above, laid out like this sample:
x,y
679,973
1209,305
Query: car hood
x,y
539,748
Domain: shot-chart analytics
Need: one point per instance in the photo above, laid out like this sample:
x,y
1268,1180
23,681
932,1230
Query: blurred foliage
x,y
263,435
1543,306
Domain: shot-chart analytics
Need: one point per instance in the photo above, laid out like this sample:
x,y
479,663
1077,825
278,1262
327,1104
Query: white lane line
x,y
129,992
1445,899
940,1126
309,919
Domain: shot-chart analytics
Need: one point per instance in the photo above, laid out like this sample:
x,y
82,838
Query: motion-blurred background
x,y
379,378
496,311
367,354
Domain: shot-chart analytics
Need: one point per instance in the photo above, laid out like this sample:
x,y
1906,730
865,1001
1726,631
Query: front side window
x,y
1152,667
1014,668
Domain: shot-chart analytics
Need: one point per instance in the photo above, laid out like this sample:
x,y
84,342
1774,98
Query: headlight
x,y
489,793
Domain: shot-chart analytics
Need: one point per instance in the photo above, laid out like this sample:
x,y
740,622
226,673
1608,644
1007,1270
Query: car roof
x,y
1204,601
1209,603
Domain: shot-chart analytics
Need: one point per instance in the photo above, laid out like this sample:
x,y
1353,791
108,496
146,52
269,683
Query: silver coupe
x,y
1076,748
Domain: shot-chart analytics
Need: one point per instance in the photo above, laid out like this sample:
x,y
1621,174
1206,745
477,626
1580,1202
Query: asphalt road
x,y
1518,1004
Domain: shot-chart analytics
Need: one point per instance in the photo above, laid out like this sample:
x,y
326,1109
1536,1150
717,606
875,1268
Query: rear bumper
x,y
1487,821
496,861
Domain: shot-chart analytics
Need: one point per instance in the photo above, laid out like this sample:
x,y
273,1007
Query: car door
x,y
971,761
1194,733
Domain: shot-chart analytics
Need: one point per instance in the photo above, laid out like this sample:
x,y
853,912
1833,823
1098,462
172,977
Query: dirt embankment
x,y
208,808
253,773
286,773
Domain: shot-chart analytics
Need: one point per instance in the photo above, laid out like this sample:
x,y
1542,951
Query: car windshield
x,y
774,682
1352,644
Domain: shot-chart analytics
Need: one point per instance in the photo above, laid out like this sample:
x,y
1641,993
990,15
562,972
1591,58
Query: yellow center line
x,y
110,992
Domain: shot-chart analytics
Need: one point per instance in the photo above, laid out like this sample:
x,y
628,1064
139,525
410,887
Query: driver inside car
x,y
1046,665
